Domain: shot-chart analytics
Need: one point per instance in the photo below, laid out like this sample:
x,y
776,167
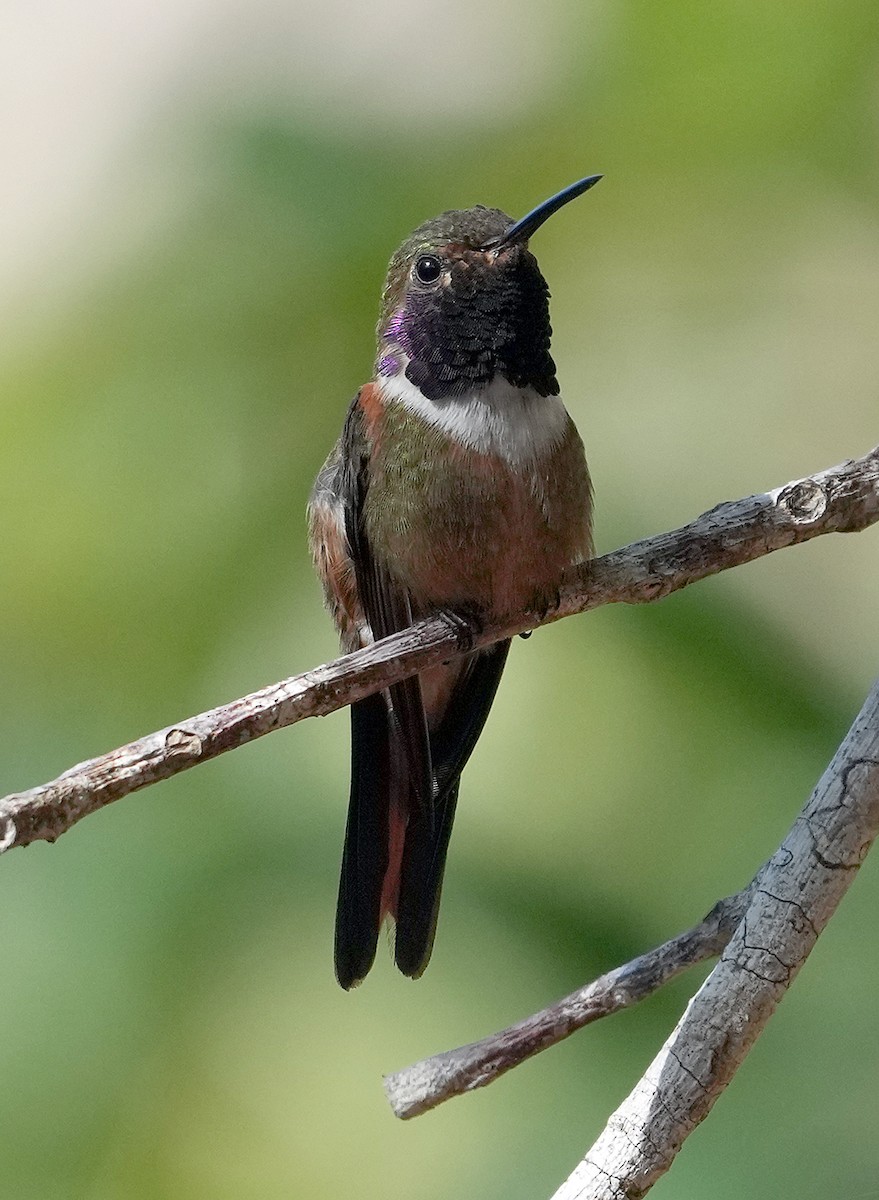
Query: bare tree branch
x,y
843,499
797,892
769,929
427,1084
423,1086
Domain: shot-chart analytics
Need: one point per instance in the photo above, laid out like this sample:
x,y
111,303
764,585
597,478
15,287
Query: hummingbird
x,y
459,485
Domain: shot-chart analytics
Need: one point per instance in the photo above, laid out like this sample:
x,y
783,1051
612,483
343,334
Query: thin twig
x,y
798,891
428,1083
844,499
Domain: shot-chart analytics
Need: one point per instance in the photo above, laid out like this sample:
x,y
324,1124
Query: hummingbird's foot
x,y
466,623
545,602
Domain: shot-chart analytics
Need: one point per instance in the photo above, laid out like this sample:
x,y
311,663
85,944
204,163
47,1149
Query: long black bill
x,y
522,229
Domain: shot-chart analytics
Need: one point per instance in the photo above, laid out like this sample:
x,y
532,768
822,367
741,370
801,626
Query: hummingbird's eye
x,y
428,268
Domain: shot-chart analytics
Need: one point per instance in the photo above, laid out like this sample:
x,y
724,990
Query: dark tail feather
x,y
427,834
365,857
424,860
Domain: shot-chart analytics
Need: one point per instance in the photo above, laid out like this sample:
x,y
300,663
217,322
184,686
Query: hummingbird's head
x,y
465,301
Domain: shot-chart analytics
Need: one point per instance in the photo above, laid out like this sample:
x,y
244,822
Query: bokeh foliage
x,y
172,1024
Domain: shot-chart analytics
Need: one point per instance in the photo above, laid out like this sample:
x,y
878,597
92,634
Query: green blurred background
x,y
199,204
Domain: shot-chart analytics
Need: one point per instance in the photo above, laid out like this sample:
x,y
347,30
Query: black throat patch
x,y
488,321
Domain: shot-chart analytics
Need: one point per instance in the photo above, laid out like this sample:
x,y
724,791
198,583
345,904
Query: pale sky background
x,y
82,85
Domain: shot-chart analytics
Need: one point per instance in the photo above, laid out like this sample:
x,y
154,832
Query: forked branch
x,y
426,1084
764,932
796,894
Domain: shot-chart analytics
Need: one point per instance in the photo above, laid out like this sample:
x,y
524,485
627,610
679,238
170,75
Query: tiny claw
x,y
546,602
466,624
526,634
